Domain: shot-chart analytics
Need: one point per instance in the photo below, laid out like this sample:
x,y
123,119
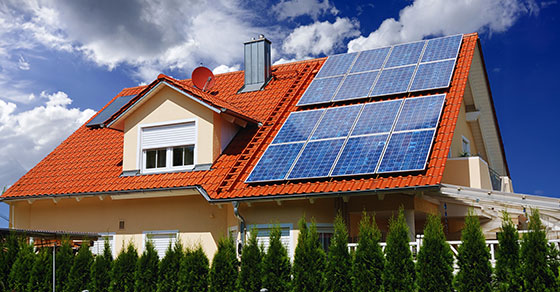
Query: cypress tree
x,y
507,257
309,260
339,265
9,254
475,271
41,274
554,260
101,270
276,264
299,267
399,273
435,259
535,270
78,279
124,268
250,276
193,274
147,270
169,268
64,260
368,259
20,272
223,273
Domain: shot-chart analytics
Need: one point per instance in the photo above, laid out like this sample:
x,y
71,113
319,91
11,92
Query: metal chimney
x,y
257,64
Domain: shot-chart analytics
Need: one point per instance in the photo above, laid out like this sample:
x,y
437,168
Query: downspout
x,y
241,224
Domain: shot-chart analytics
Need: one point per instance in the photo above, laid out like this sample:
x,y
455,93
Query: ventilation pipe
x,y
257,64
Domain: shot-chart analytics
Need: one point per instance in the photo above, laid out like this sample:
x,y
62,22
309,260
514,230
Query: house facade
x,y
171,161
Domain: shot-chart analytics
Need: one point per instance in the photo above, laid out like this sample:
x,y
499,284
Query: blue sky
x,y
61,61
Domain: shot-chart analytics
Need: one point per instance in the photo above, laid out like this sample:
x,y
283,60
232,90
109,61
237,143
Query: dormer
x,y
172,127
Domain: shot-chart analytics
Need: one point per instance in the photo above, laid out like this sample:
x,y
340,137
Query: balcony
x,y
474,172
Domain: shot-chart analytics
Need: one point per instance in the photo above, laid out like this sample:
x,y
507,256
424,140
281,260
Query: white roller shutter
x,y
162,241
169,135
99,245
263,238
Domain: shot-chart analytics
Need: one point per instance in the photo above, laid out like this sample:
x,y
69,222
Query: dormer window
x,y
168,146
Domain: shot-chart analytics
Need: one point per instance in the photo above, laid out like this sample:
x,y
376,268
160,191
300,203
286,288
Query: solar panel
x,y
320,90
395,80
420,113
110,110
433,75
360,155
442,48
337,122
317,159
377,117
275,162
405,54
336,65
356,86
298,126
407,151
370,60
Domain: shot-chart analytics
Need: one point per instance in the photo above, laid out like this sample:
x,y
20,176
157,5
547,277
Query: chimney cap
x,y
260,38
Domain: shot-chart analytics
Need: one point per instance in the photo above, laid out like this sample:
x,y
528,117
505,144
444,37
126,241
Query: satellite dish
x,y
203,78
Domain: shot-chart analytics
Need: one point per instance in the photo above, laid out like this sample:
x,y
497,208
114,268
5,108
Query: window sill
x,y
197,167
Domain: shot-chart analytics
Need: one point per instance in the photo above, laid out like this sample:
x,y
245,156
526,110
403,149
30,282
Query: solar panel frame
x,y
323,159
425,151
317,114
387,85
323,96
444,84
362,94
330,63
296,149
379,53
429,57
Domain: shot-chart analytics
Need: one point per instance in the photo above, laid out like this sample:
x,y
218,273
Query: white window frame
x,y
141,153
465,141
145,235
102,242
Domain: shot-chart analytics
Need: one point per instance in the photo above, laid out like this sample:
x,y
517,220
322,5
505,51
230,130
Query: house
x,y
411,125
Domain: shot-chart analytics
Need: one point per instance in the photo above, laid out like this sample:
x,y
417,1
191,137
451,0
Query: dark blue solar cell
x,y
360,155
275,162
442,48
110,110
377,117
433,75
356,86
337,122
420,113
370,60
393,81
336,65
317,159
298,126
320,90
405,54
407,151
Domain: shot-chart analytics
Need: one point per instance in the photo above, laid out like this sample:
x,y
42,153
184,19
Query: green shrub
x,y
339,264
193,274
124,268
309,260
101,270
276,264
535,270
78,279
507,257
64,261
250,275
475,271
20,272
435,259
223,274
41,273
368,258
147,269
169,268
399,273
10,250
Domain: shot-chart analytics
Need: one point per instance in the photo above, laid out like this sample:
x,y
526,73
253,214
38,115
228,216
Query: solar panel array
x,y
416,66
110,110
376,137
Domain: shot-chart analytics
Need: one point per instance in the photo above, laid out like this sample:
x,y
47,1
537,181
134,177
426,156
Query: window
x,y
263,236
325,232
466,147
161,240
168,147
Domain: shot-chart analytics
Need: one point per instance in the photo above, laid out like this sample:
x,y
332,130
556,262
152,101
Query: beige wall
x,y
467,171
462,129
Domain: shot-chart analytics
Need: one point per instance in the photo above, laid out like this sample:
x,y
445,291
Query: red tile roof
x,y
90,160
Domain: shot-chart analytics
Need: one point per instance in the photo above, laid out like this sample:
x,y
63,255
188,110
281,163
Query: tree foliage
x,y
20,272
399,273
309,260
339,264
475,271
251,272
10,248
276,264
507,257
40,279
193,274
100,273
169,268
435,259
146,278
124,268
78,279
223,274
535,270
64,261
368,259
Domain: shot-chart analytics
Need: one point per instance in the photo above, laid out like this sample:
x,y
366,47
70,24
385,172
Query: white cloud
x,y
289,9
23,64
320,37
225,69
443,17
27,136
